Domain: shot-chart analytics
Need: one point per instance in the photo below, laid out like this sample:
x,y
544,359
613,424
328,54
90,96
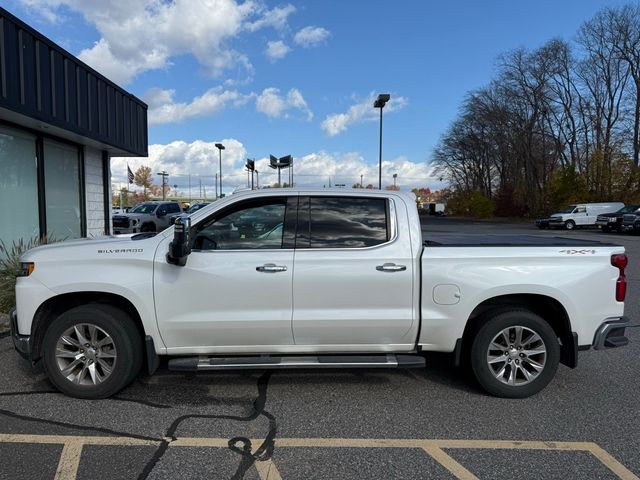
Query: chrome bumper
x,y
611,334
21,343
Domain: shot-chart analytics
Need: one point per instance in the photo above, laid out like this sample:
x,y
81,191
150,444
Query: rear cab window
x,y
342,222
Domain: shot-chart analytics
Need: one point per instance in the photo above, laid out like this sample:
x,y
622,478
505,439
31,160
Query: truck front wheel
x,y
515,354
92,351
569,224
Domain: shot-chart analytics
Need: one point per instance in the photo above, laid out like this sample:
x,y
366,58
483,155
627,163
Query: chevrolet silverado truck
x,y
281,278
153,216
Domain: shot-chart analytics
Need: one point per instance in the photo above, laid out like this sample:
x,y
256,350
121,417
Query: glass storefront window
x,y
62,190
18,186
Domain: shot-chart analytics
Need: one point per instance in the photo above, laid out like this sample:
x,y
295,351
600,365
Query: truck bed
x,y
479,240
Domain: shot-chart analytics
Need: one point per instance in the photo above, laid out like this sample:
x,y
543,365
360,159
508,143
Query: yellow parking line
x,y
449,463
72,449
612,464
267,470
69,460
85,440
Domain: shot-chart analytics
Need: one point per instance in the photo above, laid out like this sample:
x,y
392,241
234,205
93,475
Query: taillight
x,y
620,261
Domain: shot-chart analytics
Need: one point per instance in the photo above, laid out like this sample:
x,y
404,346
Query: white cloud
x,y
163,109
274,105
310,37
180,159
276,50
137,36
316,169
362,111
276,18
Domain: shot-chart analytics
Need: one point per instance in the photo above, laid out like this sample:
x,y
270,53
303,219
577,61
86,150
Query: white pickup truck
x,y
315,279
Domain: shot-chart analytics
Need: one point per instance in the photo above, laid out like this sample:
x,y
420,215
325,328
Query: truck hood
x,y
97,245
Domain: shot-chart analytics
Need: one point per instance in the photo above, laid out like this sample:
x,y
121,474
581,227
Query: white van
x,y
582,214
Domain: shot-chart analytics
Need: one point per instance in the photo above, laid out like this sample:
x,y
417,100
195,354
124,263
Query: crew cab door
x,y
353,276
234,294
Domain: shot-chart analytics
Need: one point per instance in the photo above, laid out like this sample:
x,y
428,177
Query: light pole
x,y
395,176
257,179
164,176
361,181
383,98
220,147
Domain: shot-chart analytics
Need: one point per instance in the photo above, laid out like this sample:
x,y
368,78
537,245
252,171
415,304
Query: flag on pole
x,y
129,175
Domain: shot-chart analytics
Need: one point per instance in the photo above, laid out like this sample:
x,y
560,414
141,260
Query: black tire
x,y
147,227
569,224
494,324
605,229
125,339
542,227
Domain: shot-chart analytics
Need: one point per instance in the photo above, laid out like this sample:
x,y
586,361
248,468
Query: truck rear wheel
x,y
515,354
92,351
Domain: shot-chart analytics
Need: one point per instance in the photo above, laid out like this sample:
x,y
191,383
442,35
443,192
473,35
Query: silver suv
x,y
146,217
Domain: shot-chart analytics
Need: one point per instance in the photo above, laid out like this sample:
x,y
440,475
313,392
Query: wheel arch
x,y
55,306
550,309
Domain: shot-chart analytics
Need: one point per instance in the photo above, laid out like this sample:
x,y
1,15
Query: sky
x,y
298,78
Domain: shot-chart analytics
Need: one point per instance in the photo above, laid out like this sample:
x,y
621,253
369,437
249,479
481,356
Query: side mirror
x,y
180,247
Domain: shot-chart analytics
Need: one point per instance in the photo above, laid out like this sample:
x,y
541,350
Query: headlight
x,y
26,269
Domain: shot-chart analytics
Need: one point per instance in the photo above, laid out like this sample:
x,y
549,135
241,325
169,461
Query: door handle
x,y
391,267
271,268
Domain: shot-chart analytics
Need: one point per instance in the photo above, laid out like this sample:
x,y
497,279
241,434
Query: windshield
x,y
569,209
629,209
145,208
196,207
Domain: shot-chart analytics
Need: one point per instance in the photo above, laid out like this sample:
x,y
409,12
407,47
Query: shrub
x,y
470,204
9,266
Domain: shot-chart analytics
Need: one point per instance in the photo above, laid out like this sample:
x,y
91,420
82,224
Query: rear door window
x,y
343,222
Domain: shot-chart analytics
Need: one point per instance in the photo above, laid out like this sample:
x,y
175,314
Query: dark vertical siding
x,y
41,80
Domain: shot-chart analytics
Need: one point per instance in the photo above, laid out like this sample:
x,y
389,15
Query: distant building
x,y
60,122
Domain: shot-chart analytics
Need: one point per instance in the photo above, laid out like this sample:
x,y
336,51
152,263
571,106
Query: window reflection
x,y
342,222
252,227
62,190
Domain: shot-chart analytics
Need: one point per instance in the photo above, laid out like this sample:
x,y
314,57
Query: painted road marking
x,y
267,470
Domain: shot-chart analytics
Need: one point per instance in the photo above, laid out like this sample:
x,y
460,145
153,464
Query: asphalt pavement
x,y
338,424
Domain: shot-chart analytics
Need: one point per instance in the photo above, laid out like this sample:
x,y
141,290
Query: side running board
x,y
202,363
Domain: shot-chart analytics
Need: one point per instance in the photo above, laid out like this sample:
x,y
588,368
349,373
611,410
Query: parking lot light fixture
x,y
380,102
220,147
164,176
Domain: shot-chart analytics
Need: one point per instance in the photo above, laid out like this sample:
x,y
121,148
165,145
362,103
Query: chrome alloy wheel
x,y
516,355
86,354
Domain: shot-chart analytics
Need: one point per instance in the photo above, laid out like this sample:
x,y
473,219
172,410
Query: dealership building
x,y
60,122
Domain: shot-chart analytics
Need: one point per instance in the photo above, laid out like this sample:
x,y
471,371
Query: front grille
x,y
121,222
629,218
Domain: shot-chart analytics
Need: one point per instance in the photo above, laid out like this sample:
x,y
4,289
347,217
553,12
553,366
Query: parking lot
x,y
346,424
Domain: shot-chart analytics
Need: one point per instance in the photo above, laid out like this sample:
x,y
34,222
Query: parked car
x,y
582,214
613,221
193,208
542,223
631,221
146,217
286,278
